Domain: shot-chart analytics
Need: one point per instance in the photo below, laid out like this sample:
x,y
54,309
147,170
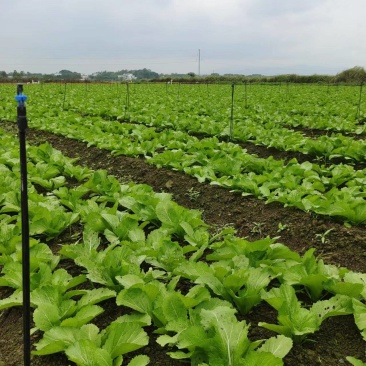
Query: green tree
x,y
145,74
69,75
354,75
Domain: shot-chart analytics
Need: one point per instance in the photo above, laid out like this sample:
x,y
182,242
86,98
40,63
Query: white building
x,y
127,77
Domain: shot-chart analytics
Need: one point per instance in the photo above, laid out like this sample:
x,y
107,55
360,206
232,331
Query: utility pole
x,y
199,62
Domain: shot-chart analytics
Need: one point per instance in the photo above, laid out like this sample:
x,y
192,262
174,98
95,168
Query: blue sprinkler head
x,y
20,98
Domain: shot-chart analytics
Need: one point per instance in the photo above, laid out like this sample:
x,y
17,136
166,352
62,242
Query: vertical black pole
x,y
246,94
127,100
63,104
232,111
359,103
23,125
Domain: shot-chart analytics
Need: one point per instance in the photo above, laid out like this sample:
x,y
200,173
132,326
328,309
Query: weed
x,y
257,228
323,236
192,194
281,227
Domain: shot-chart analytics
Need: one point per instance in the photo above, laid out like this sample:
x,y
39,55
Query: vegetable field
x,y
187,224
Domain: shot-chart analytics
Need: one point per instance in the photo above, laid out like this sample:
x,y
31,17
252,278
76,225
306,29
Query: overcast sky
x,y
234,36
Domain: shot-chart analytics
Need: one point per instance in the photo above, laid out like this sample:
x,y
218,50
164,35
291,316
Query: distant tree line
x,y
353,75
67,75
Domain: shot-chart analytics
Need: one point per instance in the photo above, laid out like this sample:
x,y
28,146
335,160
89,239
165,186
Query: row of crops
x,y
157,260
172,140
140,249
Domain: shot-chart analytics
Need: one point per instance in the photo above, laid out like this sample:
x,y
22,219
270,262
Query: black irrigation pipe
x,y
22,126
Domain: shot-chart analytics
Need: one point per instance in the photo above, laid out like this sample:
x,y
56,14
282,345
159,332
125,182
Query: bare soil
x,y
252,218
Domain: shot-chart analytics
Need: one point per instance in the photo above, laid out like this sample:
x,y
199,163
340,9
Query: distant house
x,y
127,77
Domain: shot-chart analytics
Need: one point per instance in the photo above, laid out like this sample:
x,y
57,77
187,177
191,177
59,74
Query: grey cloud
x,y
267,36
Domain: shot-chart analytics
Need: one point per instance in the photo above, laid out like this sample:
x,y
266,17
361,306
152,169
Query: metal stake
x,y
232,111
22,126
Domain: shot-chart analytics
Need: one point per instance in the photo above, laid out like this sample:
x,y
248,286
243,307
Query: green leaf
x,y
46,316
139,298
169,213
360,316
56,339
136,235
129,280
140,360
62,279
215,285
195,296
91,332
230,336
87,247
356,278
337,305
279,346
15,299
294,321
173,307
96,296
280,329
41,253
262,359
121,338
45,294
83,316
192,337
355,361
86,353
165,339
12,275
346,288
141,319
193,270
253,280
284,295
96,271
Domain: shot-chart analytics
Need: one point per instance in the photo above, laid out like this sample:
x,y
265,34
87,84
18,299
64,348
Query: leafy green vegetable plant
x,y
298,322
